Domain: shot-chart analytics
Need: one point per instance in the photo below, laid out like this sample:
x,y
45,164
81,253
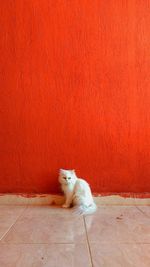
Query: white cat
x,y
77,192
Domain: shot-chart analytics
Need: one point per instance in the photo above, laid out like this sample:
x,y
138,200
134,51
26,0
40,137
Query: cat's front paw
x,y
65,206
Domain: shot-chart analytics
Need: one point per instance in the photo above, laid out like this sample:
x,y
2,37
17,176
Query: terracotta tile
x,y
8,216
41,225
118,224
52,255
120,255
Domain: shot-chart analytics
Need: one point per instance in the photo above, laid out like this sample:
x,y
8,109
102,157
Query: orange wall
x,y
75,93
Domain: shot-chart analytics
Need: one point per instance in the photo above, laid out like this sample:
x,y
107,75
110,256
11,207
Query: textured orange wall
x,y
75,93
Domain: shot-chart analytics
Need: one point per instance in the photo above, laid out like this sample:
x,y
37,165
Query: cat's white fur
x,y
77,192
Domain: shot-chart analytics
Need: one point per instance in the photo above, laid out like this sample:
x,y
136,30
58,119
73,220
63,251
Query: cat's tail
x,y
85,210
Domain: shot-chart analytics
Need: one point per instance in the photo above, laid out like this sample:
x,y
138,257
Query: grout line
x,y
1,238
50,243
88,243
72,243
142,211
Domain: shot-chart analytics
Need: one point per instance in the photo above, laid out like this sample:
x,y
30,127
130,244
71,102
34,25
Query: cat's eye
x,y
64,178
69,178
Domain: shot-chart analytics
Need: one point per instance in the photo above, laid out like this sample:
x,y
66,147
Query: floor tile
x,y
51,255
41,225
42,210
120,255
118,224
8,216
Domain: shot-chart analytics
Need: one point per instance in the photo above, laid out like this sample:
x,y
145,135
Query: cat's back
x,y
82,189
82,183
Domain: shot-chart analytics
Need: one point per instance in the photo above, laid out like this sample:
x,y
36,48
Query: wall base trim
x,y
48,199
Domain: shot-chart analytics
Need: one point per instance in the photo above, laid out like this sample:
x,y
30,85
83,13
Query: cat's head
x,y
67,176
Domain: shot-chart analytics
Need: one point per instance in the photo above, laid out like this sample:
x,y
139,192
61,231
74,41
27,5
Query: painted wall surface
x,y
75,93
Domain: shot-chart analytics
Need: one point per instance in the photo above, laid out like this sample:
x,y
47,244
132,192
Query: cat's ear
x,y
73,171
62,171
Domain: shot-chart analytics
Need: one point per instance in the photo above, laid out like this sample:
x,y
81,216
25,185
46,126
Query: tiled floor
x,y
44,236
